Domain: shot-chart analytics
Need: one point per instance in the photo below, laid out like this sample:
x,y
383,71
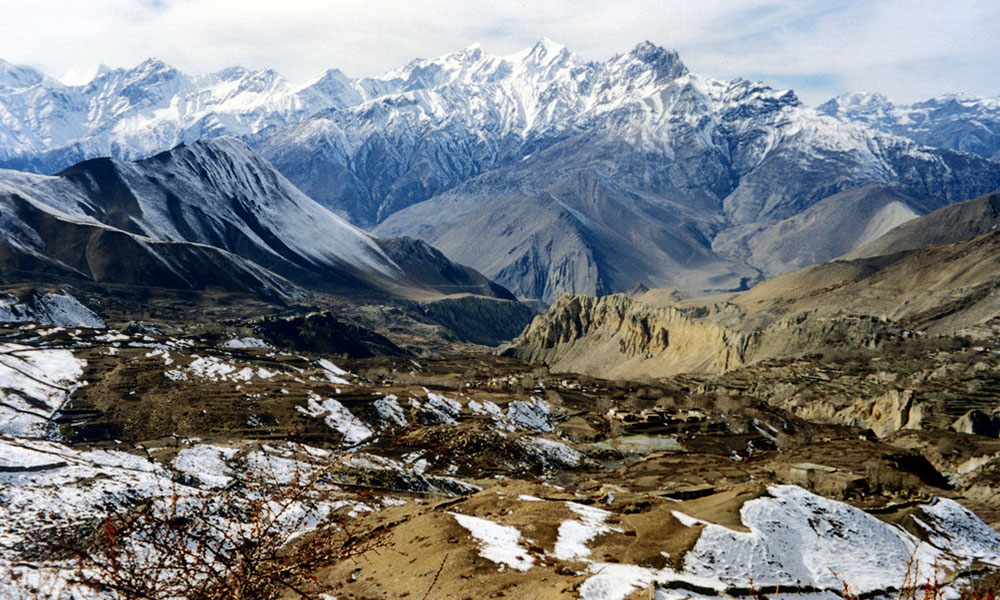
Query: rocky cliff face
x,y
616,335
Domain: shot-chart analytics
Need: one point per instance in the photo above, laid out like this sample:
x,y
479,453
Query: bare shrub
x,y
260,538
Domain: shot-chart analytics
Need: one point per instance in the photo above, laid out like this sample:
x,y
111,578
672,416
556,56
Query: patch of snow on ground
x,y
687,520
34,384
111,337
534,415
46,484
68,485
206,463
210,367
956,529
447,408
437,408
329,366
337,417
491,410
245,343
409,478
215,369
333,372
799,538
266,463
612,581
574,534
390,412
498,543
552,453
49,309
167,361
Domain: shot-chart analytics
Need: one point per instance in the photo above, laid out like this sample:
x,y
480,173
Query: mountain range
x,y
545,172
955,121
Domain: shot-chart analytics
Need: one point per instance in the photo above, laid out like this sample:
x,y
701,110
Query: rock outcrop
x,y
616,335
977,422
839,308
619,336
884,415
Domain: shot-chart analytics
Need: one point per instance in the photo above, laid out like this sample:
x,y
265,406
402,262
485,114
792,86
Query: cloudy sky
x,y
907,49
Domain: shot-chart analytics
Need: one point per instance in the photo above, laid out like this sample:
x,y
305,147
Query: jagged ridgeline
x,y
545,172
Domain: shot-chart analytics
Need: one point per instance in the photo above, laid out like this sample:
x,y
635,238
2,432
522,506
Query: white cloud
x,y
908,50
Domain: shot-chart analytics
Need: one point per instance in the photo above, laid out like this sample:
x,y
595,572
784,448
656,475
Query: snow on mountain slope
x,y
214,193
40,242
61,310
462,114
955,121
218,192
209,214
46,125
716,162
456,117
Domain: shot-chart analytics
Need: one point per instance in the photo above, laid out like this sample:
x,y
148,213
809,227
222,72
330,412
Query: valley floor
x,y
478,476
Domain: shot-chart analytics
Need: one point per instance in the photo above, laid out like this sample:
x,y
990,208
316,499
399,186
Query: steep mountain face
x,y
955,121
629,171
844,221
582,234
211,214
591,177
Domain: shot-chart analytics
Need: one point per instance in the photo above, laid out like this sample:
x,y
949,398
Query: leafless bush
x,y
912,588
260,538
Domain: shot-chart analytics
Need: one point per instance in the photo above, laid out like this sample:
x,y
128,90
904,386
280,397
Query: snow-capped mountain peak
x,y
138,111
18,77
544,52
665,63
956,121
81,76
870,104
135,112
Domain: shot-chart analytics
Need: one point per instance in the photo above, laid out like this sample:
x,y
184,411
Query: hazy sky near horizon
x,y
906,49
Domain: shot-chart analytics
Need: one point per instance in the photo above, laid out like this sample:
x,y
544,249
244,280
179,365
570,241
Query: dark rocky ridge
x,y
209,215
